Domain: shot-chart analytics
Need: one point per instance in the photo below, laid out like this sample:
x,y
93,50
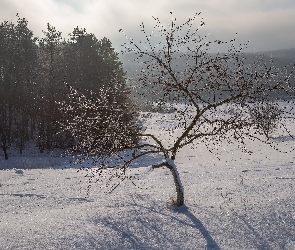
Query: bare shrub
x,y
267,117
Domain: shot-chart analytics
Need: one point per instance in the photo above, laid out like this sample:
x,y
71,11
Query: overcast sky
x,y
268,24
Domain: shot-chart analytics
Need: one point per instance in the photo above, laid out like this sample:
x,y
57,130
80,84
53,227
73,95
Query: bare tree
x,y
267,116
217,92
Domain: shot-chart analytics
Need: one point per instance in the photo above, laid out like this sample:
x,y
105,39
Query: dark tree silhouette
x,y
50,76
32,76
17,62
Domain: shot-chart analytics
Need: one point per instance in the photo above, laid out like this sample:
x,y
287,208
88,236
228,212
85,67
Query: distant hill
x,y
287,54
281,58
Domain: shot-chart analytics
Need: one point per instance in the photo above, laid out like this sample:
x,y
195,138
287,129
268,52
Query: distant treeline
x,y
33,77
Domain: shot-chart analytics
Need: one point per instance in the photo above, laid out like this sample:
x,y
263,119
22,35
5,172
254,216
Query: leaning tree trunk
x,y
178,185
169,163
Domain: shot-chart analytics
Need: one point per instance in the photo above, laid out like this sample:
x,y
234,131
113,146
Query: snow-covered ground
x,y
241,201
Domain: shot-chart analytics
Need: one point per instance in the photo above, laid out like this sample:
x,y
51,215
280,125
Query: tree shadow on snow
x,y
211,244
284,138
41,196
259,242
150,228
273,228
26,195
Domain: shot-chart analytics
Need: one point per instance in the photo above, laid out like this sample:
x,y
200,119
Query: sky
x,y
267,24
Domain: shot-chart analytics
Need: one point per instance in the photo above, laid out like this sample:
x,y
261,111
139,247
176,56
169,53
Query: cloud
x,y
266,23
77,5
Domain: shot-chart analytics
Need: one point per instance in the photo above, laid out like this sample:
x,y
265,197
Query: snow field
x,y
241,201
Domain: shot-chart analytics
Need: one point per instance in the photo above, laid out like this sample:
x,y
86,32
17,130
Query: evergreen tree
x,y
6,67
50,79
17,60
25,62
33,73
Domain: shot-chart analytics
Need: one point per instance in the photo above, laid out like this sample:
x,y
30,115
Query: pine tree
x,y
17,62
50,73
